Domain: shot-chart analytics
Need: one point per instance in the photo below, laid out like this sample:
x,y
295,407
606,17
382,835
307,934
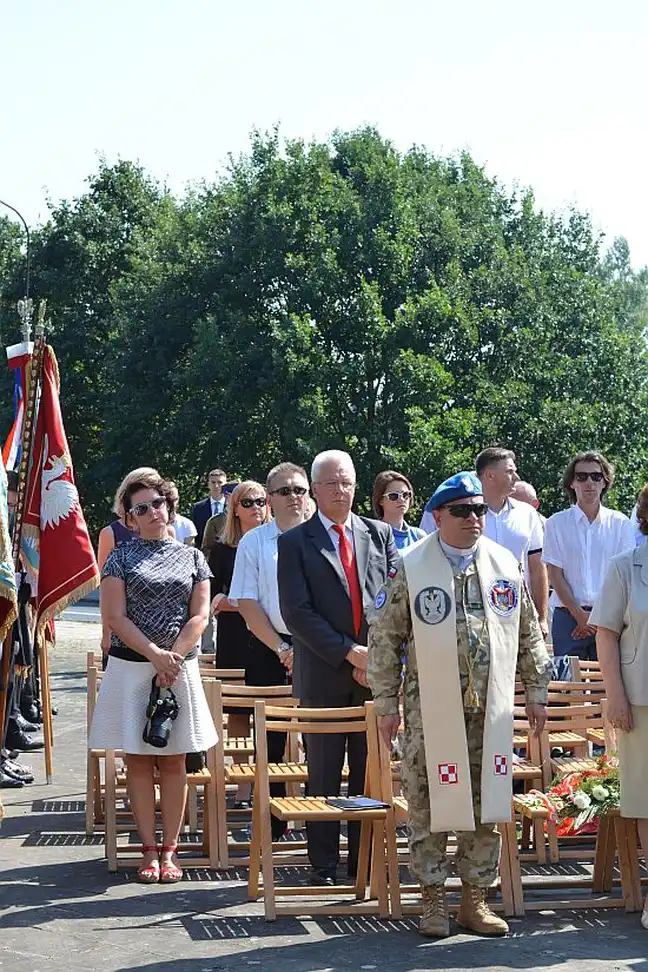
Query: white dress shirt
x,y
185,529
217,505
255,572
333,534
517,527
583,550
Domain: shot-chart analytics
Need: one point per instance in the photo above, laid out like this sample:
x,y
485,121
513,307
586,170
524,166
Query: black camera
x,y
161,712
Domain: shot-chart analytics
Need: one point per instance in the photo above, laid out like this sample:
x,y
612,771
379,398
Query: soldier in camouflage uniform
x,y
390,639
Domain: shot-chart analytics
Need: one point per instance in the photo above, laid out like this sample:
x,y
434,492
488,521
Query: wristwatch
x,y
283,648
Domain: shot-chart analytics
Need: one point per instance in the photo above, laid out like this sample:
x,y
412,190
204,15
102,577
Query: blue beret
x,y
457,487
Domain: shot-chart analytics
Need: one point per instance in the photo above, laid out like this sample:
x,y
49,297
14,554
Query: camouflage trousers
x,y
478,851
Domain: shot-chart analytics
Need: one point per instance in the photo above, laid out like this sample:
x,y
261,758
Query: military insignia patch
x,y
501,766
448,773
381,597
503,597
432,605
392,572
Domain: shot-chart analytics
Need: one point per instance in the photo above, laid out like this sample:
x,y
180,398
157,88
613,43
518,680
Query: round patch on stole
x,y
432,605
381,597
503,597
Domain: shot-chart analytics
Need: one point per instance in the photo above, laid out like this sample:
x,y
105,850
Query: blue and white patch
x,y
381,598
432,605
503,597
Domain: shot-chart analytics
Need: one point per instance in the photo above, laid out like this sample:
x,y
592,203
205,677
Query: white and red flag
x,y
53,520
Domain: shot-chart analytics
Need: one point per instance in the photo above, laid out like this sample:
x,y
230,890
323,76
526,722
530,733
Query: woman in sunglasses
x,y
155,600
391,499
247,508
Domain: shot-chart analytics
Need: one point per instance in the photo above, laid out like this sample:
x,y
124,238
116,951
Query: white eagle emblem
x,y
59,497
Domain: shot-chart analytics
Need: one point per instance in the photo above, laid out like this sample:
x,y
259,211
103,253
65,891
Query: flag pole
x,y
33,376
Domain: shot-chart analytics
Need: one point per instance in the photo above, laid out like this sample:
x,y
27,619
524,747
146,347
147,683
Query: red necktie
x,y
351,570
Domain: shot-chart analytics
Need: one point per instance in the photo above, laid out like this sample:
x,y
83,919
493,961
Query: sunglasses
x,y
248,502
465,510
142,508
287,490
582,477
394,495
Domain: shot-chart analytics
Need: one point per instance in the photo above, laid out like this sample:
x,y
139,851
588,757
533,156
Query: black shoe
x,y
9,753
24,743
323,879
16,772
9,782
24,725
31,713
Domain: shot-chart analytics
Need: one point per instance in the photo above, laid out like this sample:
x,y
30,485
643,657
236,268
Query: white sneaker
x,y
644,917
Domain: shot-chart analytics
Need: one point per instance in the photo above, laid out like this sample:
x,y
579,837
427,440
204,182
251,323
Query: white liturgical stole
x,y
431,590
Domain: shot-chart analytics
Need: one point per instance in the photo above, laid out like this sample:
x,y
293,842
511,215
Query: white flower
x,y
600,792
581,800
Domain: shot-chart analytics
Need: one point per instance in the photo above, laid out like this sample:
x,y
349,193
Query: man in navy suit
x,y
330,569
212,505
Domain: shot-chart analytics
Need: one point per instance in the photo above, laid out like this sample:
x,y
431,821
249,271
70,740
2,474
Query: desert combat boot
x,y
475,914
434,921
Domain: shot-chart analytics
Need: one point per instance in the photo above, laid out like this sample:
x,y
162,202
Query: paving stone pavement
x,y
61,910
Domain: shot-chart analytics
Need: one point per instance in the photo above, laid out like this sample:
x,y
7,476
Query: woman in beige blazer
x,y
621,619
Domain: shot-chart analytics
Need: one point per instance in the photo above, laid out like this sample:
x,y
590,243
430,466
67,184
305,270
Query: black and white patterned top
x,y
159,576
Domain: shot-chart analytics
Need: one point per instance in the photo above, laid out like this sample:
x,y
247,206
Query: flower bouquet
x,y
576,801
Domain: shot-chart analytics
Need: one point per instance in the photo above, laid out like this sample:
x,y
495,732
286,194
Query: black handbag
x,y
161,711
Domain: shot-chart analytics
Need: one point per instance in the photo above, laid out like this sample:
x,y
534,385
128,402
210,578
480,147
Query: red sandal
x,y
150,874
170,873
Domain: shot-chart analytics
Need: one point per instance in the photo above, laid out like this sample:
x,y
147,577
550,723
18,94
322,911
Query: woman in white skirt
x,y
621,619
155,599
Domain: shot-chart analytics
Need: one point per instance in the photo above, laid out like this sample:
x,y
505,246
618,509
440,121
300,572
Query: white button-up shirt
x,y
517,527
333,534
217,505
255,572
583,550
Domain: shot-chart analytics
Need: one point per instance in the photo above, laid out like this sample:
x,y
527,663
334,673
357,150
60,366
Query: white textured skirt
x,y
120,711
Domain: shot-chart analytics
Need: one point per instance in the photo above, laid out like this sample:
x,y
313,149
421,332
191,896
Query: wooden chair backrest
x,y
572,717
208,670
356,719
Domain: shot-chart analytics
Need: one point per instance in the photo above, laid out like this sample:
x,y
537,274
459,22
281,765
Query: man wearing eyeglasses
x,y
330,570
461,608
579,544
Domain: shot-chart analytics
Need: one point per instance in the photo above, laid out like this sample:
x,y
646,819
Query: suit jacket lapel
x,y
320,538
361,543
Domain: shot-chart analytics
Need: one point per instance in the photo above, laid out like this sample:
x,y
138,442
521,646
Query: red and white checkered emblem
x,y
448,773
501,766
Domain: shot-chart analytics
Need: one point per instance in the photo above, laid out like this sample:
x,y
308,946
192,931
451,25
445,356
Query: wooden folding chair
x,y
377,825
233,696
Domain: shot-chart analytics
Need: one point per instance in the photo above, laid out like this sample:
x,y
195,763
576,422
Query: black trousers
x,y
325,757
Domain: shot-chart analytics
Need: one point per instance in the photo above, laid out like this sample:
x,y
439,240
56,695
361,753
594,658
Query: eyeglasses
x,y
394,495
140,509
465,510
287,490
582,477
248,502
344,484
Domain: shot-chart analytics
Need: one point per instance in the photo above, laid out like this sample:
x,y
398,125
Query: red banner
x,y
54,521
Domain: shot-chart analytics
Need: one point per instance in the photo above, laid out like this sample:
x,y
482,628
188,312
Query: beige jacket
x,y
622,607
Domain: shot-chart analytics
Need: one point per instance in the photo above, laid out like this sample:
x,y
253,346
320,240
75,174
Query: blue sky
x,y
550,95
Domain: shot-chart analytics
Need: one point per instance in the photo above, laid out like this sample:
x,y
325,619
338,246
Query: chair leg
x,y
626,836
192,809
267,865
90,794
511,873
111,811
604,856
210,824
379,869
364,852
539,841
255,855
392,867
